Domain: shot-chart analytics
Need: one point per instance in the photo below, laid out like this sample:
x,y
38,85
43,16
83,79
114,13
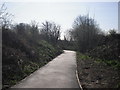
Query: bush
x,y
21,56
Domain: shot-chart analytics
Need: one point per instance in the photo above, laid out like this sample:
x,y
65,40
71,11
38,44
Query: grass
x,y
113,64
82,56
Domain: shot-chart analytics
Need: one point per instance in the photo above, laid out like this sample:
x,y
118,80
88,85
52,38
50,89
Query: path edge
x,y
78,80
13,86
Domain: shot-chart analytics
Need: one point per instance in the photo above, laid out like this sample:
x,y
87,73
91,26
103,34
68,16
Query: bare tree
x,y
112,32
34,30
50,31
5,17
85,32
68,35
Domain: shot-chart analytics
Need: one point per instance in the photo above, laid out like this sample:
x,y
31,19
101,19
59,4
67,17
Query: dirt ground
x,y
94,74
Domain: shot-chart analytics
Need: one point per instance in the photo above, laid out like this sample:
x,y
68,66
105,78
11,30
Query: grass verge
x,y
97,73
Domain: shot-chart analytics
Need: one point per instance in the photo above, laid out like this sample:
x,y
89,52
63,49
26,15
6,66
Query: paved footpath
x,y
58,73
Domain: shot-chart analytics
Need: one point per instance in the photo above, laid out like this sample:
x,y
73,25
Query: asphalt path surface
x,y
58,73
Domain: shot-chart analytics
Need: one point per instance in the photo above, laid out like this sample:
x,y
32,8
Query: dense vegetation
x,y
110,46
26,47
89,39
24,50
96,46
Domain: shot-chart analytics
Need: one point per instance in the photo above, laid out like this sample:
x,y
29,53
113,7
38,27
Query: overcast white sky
x,y
64,13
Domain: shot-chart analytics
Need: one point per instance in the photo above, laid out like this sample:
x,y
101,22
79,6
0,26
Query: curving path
x,y
58,73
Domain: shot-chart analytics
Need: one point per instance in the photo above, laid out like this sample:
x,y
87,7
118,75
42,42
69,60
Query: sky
x,y
64,13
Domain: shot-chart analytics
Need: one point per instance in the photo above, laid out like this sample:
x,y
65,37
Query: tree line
x,y
48,31
87,37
